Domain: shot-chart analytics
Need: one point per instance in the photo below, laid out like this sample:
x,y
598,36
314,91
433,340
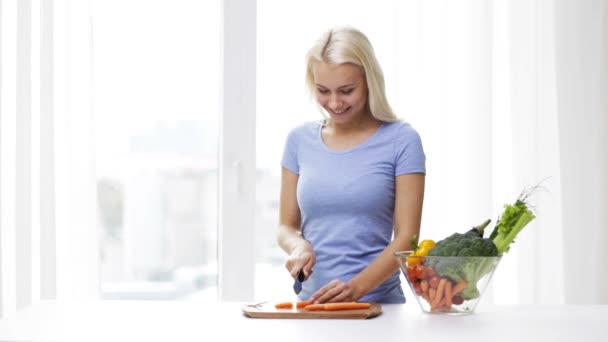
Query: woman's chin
x,y
340,118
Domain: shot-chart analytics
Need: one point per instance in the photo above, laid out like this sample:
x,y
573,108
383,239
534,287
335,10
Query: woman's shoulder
x,y
308,128
400,128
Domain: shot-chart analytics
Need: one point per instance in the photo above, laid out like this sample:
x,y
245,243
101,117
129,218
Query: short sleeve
x,y
409,153
290,153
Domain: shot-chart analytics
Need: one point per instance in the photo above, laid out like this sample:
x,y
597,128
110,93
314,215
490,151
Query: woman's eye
x,y
347,91
323,91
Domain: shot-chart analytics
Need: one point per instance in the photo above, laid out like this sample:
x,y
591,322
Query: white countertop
x,y
196,321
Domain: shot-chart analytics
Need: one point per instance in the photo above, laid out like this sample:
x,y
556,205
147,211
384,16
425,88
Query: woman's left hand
x,y
334,292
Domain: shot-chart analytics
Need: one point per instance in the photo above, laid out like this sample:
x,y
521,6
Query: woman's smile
x,y
339,112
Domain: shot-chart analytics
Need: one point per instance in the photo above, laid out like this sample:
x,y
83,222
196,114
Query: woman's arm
x,y
409,195
289,236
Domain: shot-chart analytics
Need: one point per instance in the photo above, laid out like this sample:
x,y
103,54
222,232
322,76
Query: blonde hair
x,y
349,45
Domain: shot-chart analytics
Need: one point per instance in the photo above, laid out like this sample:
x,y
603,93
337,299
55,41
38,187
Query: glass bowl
x,y
447,285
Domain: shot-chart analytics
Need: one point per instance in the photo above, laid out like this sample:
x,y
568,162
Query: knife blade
x,y
297,284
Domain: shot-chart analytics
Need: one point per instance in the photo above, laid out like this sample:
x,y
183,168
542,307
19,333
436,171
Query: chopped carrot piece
x,y
303,304
284,305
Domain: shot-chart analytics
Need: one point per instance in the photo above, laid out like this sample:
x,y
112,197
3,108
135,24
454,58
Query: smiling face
x,y
341,91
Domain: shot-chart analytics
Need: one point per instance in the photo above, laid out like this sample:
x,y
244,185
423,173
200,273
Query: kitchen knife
x,y
297,284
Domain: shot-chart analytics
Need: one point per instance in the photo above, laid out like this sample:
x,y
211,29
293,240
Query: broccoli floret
x,y
463,269
469,269
464,245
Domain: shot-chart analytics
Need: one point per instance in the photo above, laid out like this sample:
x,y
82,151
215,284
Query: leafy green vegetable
x,y
513,219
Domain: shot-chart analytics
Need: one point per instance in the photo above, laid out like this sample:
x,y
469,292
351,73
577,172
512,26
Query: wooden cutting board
x,y
267,310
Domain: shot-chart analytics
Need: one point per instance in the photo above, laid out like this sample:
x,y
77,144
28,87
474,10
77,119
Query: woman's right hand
x,y
302,257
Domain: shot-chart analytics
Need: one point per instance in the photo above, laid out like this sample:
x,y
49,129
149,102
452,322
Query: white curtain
x,y
581,69
509,94
558,86
47,192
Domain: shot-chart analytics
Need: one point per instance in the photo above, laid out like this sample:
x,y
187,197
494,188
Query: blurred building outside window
x,y
156,108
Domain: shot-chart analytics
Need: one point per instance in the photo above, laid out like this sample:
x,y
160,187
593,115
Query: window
x,y
155,81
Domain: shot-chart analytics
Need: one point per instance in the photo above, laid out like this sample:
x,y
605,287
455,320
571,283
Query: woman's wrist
x,y
357,291
289,238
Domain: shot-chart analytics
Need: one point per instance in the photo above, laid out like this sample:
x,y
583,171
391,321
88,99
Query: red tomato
x,y
420,272
411,273
424,272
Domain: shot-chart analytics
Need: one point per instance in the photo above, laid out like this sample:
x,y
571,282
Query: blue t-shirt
x,y
347,199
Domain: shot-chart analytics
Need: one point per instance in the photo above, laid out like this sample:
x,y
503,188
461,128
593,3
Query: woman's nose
x,y
335,102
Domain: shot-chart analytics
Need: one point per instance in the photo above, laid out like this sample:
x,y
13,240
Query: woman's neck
x,y
362,123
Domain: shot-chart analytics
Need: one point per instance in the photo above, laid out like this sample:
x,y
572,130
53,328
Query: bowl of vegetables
x,y
451,276
447,284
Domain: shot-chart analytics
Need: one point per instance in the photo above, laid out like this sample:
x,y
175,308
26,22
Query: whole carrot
x,y
439,295
338,306
448,294
346,306
315,307
424,284
427,297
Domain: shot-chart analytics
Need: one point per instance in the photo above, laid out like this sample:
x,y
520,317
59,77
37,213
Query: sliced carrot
x,y
303,304
346,306
284,305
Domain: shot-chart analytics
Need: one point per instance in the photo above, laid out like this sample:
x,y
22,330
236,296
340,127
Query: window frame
x,y
236,259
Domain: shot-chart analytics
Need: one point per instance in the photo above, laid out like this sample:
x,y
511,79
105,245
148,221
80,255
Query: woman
x,y
352,184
